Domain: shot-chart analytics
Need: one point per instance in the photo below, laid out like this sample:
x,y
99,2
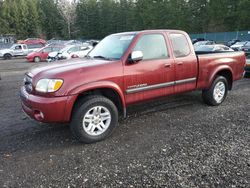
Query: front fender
x,y
99,85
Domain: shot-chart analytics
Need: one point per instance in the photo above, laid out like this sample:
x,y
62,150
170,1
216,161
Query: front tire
x,y
94,119
217,93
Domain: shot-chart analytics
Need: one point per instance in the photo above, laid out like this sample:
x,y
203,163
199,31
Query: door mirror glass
x,y
136,56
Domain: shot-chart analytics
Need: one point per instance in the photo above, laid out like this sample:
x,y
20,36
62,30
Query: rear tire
x,y
37,59
7,56
217,93
93,119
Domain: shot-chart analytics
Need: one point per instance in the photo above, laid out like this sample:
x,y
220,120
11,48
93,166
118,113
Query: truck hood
x,y
51,70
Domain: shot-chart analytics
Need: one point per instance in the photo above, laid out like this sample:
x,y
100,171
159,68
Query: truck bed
x,y
210,61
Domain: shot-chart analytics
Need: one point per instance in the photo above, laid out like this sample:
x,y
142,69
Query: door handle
x,y
180,63
168,65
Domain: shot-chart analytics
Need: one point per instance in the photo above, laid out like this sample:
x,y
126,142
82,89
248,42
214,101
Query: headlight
x,y
48,85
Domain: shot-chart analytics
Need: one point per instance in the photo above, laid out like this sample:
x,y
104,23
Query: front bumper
x,y
48,110
29,59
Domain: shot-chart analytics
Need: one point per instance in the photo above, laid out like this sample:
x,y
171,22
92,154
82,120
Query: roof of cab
x,y
148,31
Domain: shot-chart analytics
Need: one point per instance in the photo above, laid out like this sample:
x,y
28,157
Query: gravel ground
x,y
175,142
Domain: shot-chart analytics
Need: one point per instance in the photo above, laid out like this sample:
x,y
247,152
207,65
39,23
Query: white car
x,y
238,45
202,43
213,48
14,50
71,51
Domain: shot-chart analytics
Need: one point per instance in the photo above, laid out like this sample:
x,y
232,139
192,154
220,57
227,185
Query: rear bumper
x,y
43,109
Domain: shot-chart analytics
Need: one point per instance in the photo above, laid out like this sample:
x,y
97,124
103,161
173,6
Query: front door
x,y
18,50
45,52
152,77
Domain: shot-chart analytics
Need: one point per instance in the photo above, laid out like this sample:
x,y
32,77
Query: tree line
x,y
97,18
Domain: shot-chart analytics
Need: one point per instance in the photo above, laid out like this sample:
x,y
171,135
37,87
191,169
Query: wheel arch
x,y
107,89
8,54
226,72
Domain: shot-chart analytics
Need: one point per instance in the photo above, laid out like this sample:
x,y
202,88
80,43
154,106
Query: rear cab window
x,y
153,46
180,45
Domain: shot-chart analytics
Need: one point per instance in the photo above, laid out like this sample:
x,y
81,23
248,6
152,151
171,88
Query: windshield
x,y
65,49
112,47
13,47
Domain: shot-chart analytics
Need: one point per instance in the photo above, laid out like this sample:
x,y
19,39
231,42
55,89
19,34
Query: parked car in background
x,y
42,54
247,68
246,49
232,42
238,45
73,42
14,50
197,40
124,69
32,41
68,52
92,42
201,43
213,48
35,46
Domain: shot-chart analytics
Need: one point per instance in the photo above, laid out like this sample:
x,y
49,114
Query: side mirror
x,y
136,56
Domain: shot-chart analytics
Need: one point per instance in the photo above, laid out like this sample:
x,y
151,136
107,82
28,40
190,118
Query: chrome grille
x,y
28,83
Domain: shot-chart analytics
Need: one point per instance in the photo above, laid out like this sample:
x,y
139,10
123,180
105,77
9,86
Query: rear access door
x,y
186,64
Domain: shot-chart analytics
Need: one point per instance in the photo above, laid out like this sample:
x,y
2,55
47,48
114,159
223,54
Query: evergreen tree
x,y
52,22
98,18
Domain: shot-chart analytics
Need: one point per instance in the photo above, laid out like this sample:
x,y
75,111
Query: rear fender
x,y
216,71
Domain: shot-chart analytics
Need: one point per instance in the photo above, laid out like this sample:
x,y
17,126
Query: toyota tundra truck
x,y
124,69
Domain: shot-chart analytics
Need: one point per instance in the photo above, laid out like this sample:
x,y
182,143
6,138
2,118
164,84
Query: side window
x,y
19,47
24,47
180,45
153,46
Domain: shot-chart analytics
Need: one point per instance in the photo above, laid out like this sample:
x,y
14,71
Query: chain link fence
x,y
223,37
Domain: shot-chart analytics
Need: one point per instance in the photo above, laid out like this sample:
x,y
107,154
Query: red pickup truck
x,y
124,69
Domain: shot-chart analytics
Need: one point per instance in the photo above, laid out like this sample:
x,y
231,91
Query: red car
x,y
124,69
42,54
33,41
